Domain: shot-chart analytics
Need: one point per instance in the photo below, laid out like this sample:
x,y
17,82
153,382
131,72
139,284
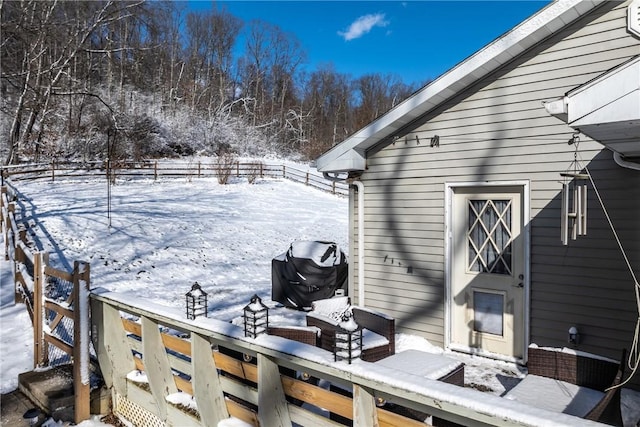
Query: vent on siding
x,y
633,18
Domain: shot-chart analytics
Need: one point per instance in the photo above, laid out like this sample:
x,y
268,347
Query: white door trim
x,y
448,258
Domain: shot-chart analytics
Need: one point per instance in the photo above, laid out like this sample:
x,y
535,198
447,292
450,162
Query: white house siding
x,y
500,131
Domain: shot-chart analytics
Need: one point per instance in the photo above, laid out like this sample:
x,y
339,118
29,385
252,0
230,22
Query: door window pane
x,y
488,312
489,236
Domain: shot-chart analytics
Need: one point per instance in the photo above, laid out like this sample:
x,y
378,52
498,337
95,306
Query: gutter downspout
x,y
617,157
360,187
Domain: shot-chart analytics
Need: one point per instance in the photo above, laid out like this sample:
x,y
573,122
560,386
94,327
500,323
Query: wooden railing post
x,y
43,283
206,382
110,341
4,221
157,366
38,310
3,191
81,339
272,401
155,170
18,259
364,408
8,226
199,166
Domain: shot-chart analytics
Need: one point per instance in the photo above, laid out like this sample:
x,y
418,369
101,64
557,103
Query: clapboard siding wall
x,y
499,131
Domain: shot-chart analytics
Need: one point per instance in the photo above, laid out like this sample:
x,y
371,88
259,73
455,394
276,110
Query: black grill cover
x,y
308,271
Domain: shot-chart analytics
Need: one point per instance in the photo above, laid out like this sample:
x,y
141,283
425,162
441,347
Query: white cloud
x,y
363,25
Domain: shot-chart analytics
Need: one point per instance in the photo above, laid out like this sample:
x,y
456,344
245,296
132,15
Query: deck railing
x,y
164,369
57,302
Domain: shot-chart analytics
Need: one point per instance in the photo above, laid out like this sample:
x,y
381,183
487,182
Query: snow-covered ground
x,y
152,240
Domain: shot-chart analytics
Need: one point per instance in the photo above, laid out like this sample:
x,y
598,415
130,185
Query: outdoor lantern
x,y
573,335
31,416
256,317
196,302
348,345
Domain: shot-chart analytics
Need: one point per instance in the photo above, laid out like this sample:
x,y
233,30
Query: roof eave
x,y
538,27
606,109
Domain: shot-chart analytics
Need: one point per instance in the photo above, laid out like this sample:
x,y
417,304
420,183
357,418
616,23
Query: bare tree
x,y
329,101
50,47
75,75
377,95
224,31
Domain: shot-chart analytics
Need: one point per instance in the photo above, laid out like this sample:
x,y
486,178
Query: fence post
x,y
306,179
43,283
53,171
261,170
38,310
18,258
11,208
238,169
333,187
155,170
284,171
81,341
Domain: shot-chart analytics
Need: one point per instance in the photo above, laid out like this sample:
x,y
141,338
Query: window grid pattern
x,y
490,236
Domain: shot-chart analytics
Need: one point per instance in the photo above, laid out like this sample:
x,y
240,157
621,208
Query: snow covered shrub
x,y
254,171
224,167
147,138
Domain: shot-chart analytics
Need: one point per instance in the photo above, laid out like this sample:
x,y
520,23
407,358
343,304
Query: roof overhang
x,y
350,155
606,109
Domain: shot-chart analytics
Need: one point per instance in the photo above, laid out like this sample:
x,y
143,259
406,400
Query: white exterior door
x,y
487,287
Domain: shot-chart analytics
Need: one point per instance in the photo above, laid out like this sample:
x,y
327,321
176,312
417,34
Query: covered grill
x,y
308,271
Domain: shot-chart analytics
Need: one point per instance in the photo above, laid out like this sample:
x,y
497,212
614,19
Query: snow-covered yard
x,y
166,235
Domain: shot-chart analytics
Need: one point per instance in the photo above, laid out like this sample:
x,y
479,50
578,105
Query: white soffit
x,y
596,100
544,23
607,109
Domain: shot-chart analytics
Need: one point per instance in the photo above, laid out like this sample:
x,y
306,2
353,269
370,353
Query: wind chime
x,y
574,198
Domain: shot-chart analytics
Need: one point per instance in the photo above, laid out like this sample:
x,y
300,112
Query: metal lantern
x,y
196,302
31,416
348,345
256,318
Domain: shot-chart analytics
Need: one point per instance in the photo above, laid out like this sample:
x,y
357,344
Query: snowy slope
x,y
164,236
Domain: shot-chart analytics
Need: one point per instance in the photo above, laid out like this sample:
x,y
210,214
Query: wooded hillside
x,y
135,79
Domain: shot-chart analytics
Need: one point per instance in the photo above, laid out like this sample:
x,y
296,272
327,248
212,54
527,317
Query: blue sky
x,y
414,40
